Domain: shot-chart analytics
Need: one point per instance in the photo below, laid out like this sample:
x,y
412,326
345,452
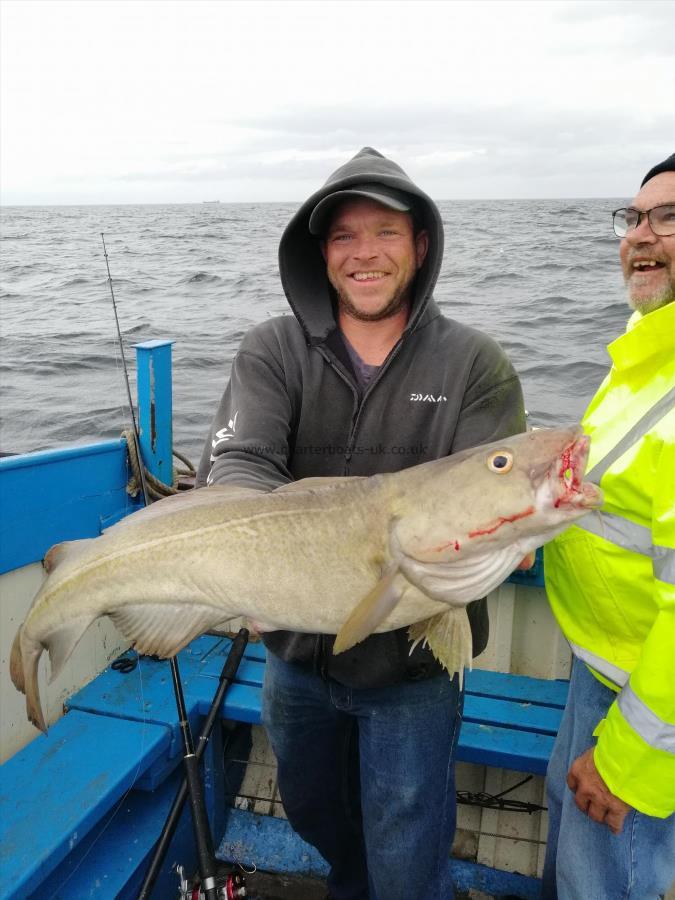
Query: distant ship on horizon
x,y
210,202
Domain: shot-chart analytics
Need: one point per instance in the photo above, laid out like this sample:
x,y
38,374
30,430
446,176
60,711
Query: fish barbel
x,y
345,556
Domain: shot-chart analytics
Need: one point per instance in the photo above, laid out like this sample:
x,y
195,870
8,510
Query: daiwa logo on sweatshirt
x,y
428,398
223,435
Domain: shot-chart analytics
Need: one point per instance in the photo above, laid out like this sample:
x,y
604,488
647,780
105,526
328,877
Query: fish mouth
x,y
567,477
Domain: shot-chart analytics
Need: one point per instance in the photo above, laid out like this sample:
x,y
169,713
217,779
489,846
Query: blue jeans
x,y
584,860
367,777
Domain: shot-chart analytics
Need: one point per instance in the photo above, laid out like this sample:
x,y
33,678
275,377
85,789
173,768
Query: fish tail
x,y
24,661
16,663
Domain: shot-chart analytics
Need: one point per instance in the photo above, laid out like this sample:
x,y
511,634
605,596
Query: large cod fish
x,y
345,556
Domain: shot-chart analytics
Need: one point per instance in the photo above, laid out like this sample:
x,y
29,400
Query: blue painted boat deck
x,y
122,729
509,721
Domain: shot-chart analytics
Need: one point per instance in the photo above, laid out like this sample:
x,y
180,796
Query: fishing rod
x,y
230,881
135,429
208,864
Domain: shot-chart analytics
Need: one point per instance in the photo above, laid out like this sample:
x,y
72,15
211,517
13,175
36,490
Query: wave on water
x,y
570,372
75,281
73,365
612,241
208,277
136,330
499,278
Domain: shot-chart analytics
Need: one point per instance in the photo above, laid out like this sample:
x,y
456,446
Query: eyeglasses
x,y
661,219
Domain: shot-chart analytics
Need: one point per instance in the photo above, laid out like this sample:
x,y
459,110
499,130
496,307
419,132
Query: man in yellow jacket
x,y
611,583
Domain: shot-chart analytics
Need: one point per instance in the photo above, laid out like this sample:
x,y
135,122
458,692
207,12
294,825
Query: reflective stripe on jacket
x,y
611,577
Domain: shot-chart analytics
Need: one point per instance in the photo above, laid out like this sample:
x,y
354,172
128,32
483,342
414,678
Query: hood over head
x,y
301,263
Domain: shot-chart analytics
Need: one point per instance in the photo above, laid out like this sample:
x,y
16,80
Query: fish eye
x,y
500,462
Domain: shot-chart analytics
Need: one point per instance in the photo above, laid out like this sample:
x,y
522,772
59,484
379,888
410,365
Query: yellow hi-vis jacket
x,y
610,578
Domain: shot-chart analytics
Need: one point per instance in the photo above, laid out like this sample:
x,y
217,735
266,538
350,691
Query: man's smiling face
x,y
372,256
648,259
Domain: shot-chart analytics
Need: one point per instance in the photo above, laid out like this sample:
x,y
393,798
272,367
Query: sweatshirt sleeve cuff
x,y
638,774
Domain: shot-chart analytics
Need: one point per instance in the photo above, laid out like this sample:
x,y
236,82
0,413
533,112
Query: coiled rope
x,y
156,488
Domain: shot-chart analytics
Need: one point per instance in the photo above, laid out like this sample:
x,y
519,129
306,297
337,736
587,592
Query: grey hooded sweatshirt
x,y
293,408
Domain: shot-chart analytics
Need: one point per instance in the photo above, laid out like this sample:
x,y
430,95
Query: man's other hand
x,y
527,561
592,796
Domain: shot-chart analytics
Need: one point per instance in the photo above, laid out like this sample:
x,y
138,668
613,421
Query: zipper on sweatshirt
x,y
359,399
356,406
361,402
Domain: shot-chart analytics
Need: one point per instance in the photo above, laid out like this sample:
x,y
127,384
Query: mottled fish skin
x,y
338,556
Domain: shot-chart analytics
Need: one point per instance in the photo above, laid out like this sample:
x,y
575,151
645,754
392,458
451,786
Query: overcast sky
x,y
128,101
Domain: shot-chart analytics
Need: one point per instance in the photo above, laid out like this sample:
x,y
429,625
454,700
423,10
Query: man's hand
x,y
592,795
527,561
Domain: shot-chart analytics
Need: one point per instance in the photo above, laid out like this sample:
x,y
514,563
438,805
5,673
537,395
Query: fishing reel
x,y
230,885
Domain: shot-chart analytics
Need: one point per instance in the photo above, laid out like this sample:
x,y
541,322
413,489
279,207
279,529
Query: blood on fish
x,y
445,546
502,520
565,462
568,461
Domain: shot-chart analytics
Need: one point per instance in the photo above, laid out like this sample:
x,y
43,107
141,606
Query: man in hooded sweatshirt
x,y
367,376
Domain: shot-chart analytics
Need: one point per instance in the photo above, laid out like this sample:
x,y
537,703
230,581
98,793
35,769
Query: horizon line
x,y
281,202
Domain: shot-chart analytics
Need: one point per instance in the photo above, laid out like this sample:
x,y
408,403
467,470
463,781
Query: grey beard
x,y
649,304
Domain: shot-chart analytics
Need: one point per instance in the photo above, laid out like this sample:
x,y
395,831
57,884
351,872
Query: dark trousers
x,y
367,777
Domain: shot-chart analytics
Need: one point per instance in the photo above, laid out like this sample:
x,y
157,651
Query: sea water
x,y
540,276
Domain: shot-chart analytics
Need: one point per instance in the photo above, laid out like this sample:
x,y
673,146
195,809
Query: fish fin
x,y
319,481
66,550
448,635
62,641
462,580
177,504
25,659
16,663
28,653
53,556
370,612
162,629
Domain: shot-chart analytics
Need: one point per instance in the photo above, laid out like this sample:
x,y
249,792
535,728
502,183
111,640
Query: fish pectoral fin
x,y
162,629
370,612
448,635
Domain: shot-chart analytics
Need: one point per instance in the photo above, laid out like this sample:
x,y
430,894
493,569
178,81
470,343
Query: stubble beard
x,y
398,301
